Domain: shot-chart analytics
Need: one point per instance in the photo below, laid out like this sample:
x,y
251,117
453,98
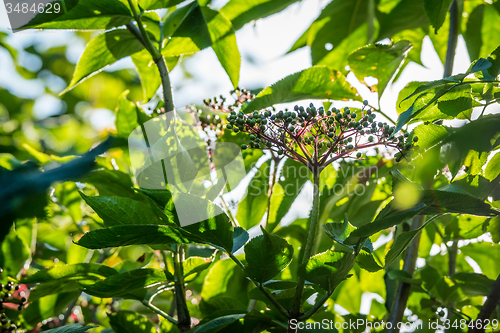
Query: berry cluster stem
x,y
311,238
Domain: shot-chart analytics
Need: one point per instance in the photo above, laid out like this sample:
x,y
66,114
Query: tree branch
x,y
489,306
452,39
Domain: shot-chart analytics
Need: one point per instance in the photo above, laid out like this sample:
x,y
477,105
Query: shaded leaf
x,y
240,238
123,235
329,268
217,324
75,328
436,11
130,322
407,14
118,210
367,262
131,284
266,256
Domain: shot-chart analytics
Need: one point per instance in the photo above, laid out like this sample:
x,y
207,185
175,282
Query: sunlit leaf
x,y
240,12
83,15
379,61
102,51
317,82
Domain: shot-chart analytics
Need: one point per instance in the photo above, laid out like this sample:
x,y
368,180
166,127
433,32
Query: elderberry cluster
x,y
315,135
6,325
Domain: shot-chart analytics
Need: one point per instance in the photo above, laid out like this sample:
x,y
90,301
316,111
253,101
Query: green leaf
x,y
473,284
216,230
317,82
110,182
191,35
384,222
338,57
379,61
428,94
329,268
480,35
472,153
128,116
240,12
157,4
493,168
266,256
336,22
75,328
400,244
494,229
367,262
223,39
407,14
217,324
440,202
430,134
131,284
130,322
83,15
478,65
476,186
279,284
284,296
118,210
74,272
148,73
67,195
14,252
161,197
436,11
123,235
254,205
102,51
193,265
292,178
240,238
339,231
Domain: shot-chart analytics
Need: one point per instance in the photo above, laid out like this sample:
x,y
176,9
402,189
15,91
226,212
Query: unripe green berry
x,y
358,155
365,102
280,152
415,138
370,138
244,146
